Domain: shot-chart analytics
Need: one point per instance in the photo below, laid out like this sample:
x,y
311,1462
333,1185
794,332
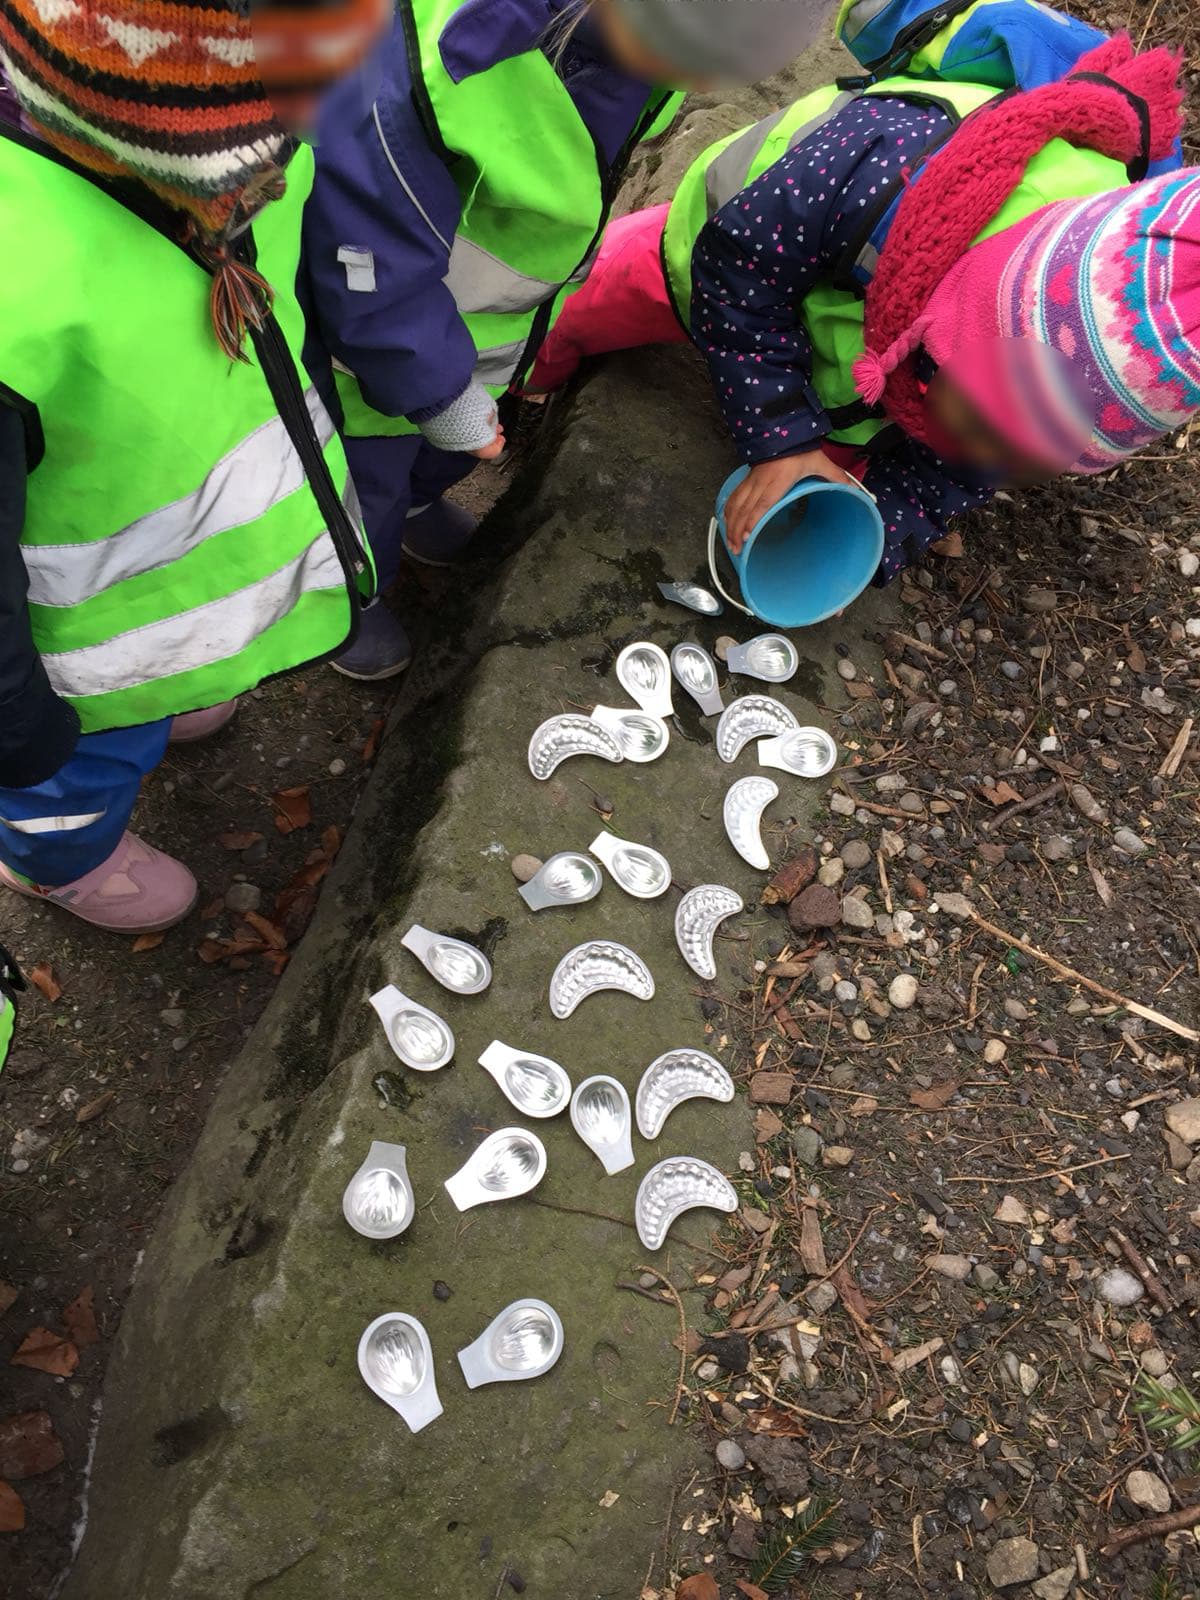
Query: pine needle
x,y
1174,1411
789,1549
1163,1586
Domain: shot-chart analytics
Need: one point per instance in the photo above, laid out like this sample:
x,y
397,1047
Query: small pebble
x,y
845,991
730,1455
1121,1288
441,1291
1155,1363
856,853
1055,847
707,1370
525,867
831,871
1192,627
956,905
1113,1088
1189,563
857,913
1016,1010
912,803
243,897
847,670
1011,669
1147,1490
841,804
20,1165
837,1155
1130,1120
902,991
336,767
1125,839
861,1030
957,1268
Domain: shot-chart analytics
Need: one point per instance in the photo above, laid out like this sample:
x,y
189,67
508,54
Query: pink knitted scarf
x,y
965,184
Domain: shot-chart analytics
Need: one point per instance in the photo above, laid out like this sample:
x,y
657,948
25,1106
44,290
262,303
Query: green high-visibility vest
x,y
10,981
535,198
187,531
833,311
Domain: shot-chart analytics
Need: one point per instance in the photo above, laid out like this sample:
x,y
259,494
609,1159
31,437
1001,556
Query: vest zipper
x,y
610,182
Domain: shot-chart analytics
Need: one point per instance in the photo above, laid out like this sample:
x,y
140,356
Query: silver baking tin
x,y
806,752
644,673
396,1362
671,1079
693,597
522,1341
745,802
754,716
535,1085
674,1186
639,870
770,656
598,964
641,737
378,1201
418,1036
567,879
601,1117
456,965
696,671
696,919
569,735
509,1162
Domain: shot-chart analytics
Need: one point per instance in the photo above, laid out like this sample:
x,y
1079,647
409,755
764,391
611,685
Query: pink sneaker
x,y
137,890
193,725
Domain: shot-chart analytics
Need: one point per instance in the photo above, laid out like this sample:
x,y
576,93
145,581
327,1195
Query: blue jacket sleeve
x,y
918,495
378,228
38,731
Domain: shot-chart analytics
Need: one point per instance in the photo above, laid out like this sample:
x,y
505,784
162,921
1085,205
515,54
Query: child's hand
x,y
767,483
489,452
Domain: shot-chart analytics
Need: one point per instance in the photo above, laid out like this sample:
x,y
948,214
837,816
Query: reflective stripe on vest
x,y
8,1024
52,824
727,173
243,486
534,196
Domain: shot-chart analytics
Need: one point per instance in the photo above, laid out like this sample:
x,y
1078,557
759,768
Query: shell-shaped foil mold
x,y
771,657
537,1086
567,879
677,1076
697,672
640,871
509,1162
598,964
673,1187
806,752
396,1362
601,1117
693,597
524,1341
418,1036
696,918
641,737
745,802
378,1201
644,673
569,735
754,716
456,965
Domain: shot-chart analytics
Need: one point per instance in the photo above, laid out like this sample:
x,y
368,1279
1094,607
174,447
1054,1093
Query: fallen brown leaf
x,y
80,1318
688,1343
45,1351
936,1097
371,747
1000,795
700,1586
28,1445
210,951
766,1125
949,546
213,909
269,933
239,840
1136,657
293,809
8,1296
45,982
331,841
94,1107
147,941
779,1424
12,1509
787,969
852,1296
1103,888
275,961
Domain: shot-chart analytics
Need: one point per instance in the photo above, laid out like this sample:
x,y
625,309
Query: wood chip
x,y
812,1246
912,1357
771,1088
95,1107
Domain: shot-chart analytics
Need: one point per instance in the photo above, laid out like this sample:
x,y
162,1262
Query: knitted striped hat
x,y
169,92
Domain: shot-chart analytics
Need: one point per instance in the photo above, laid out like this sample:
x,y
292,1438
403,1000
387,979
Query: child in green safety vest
x,y
459,197
11,982
921,281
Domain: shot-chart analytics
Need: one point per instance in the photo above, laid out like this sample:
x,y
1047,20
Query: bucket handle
x,y
712,568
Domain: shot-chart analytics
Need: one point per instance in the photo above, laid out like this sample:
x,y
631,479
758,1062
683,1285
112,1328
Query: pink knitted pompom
x,y
870,377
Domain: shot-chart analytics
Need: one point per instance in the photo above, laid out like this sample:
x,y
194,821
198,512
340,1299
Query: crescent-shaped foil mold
x,y
523,1341
696,670
696,918
677,1076
567,879
456,965
693,597
754,716
396,1363
598,964
509,1162
641,737
569,735
601,1117
639,870
673,1187
537,1086
417,1035
771,657
644,673
378,1201
806,752
745,802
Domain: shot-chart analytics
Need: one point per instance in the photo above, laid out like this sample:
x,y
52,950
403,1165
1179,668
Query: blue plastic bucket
x,y
816,550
